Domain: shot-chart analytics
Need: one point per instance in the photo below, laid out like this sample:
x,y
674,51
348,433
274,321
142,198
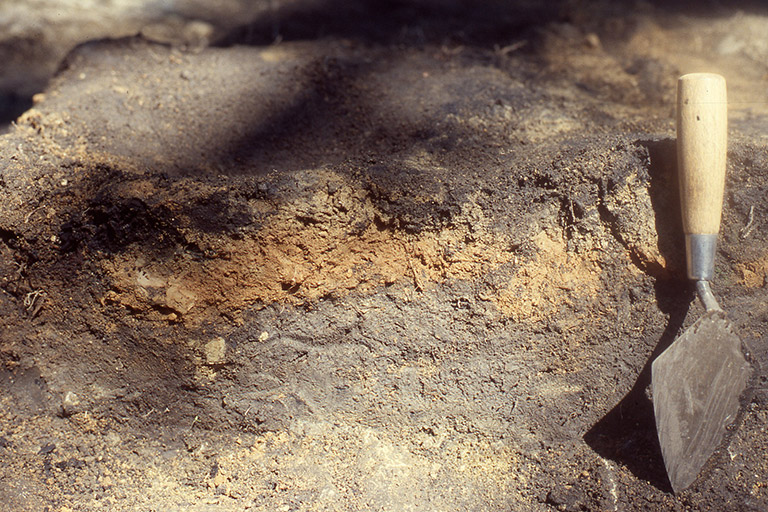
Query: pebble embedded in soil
x,y
216,351
567,498
71,404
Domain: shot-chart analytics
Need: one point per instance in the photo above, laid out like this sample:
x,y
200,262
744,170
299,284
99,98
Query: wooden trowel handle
x,y
702,119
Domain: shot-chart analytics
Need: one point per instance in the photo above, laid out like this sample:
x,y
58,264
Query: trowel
x,y
697,382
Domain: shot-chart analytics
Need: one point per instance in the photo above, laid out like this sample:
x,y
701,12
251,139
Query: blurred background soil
x,y
403,255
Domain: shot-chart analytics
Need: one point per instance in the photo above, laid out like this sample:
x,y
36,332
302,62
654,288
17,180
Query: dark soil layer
x,y
411,256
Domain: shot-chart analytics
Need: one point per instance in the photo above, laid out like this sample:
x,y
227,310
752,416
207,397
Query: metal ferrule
x,y
706,296
700,254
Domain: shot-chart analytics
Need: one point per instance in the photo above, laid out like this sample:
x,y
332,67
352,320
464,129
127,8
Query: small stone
x,y
180,298
70,404
112,439
730,45
47,448
566,498
170,454
264,336
592,40
215,351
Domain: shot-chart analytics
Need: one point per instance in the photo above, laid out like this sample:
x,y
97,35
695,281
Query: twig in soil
x,y
416,280
30,214
21,267
357,310
155,56
747,230
506,50
452,51
31,302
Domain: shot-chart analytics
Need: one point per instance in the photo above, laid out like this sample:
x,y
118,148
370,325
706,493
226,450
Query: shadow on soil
x,y
12,106
489,24
398,22
627,434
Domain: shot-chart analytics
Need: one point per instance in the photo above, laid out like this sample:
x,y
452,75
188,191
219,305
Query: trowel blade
x,y
696,385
